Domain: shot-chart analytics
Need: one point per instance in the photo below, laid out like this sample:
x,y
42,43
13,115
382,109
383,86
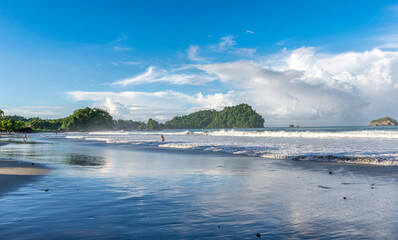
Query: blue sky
x,y
307,62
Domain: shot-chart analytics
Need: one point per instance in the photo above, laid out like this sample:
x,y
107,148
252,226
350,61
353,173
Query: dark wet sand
x,y
14,173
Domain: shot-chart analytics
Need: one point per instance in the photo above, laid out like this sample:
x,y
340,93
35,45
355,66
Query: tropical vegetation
x,y
95,119
240,116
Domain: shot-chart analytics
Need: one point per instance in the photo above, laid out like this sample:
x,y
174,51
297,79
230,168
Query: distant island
x,y
385,121
95,119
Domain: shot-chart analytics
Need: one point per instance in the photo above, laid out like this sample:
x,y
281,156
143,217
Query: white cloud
x,y
302,85
37,111
144,105
118,48
131,63
137,79
250,32
244,52
150,76
193,53
227,44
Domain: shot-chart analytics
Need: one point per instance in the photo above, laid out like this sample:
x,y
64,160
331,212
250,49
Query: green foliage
x,y
44,124
196,120
15,117
141,127
11,124
127,125
385,121
152,125
240,116
88,119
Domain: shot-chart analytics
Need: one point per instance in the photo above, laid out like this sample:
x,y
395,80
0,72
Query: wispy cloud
x,y
226,42
119,48
226,45
250,32
147,76
193,53
132,62
37,111
151,76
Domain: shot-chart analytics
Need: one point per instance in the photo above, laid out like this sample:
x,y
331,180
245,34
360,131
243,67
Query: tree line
x,y
95,119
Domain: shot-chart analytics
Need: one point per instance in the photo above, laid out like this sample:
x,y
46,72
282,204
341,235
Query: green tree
x,y
88,119
240,116
127,125
44,124
196,120
152,125
1,113
11,124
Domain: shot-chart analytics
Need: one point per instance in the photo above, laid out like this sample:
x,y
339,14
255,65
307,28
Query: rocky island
x,y
385,121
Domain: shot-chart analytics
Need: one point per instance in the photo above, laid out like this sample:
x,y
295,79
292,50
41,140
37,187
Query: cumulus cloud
x,y
143,105
300,86
150,76
329,88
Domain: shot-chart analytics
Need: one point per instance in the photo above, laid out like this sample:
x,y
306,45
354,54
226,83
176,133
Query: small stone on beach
x,y
344,198
330,173
258,235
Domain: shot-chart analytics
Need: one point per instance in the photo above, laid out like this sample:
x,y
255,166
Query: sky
x,y
311,63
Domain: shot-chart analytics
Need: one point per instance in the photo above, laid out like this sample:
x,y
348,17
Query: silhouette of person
x,y
161,136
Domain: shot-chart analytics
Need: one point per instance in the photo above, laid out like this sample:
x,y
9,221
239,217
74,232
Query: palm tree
x,y
1,113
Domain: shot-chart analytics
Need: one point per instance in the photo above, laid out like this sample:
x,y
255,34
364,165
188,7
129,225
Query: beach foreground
x,y
108,191
15,173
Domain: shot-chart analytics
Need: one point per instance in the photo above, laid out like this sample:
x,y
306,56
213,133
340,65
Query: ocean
x,y
281,183
358,145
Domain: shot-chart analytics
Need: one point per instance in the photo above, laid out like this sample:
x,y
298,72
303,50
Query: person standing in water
x,y
161,136
25,138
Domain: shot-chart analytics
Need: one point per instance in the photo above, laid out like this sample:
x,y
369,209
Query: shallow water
x,y
122,191
362,145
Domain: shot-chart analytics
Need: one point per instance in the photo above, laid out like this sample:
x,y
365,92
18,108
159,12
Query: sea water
x,y
362,145
130,185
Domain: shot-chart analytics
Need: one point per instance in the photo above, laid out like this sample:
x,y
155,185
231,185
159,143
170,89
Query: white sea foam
x,y
348,145
282,133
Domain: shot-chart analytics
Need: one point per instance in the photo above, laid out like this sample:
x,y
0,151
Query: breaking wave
x,y
345,145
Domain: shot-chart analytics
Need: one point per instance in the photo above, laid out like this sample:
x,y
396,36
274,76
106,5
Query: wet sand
x,y
130,192
14,173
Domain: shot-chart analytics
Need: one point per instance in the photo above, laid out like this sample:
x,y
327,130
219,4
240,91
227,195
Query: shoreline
x,y
16,173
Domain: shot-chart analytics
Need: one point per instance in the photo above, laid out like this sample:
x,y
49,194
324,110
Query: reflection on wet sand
x,y
85,160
